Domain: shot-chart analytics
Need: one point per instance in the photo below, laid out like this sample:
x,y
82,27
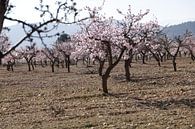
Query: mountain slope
x,y
180,28
16,32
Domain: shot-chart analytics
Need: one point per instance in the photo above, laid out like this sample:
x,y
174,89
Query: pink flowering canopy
x,y
93,38
4,43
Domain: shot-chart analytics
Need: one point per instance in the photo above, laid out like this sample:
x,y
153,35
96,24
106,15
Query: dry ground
x,y
156,98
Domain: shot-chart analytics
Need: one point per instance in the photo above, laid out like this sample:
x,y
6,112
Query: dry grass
x,y
156,98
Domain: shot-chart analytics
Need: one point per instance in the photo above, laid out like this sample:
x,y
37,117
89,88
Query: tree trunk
x,y
45,61
29,68
62,63
192,55
1,57
136,57
106,75
33,66
35,63
42,63
101,66
156,57
3,8
76,62
104,83
158,62
83,60
12,66
168,56
8,66
52,66
0,61
161,57
127,71
143,58
174,64
68,63
58,62
164,58
180,55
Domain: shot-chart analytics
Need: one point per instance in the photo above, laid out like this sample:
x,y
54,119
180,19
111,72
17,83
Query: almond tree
x,y
52,54
41,58
4,45
149,33
173,46
28,53
190,46
80,51
10,60
104,42
143,51
130,26
65,48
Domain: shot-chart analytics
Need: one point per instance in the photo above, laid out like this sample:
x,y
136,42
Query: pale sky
x,y
167,12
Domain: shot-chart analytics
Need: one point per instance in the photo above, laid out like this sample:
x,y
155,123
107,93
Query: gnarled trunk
x,y
101,66
68,62
3,9
10,66
174,64
192,55
161,58
0,61
29,67
106,75
1,57
143,58
52,67
32,65
127,70
104,83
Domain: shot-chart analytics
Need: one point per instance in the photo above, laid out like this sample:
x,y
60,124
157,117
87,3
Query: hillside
x,y
180,28
16,32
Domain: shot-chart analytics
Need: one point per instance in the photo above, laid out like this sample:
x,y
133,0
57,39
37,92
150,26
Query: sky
x,y
167,12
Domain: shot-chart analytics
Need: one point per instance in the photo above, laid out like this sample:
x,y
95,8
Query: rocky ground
x,y
155,98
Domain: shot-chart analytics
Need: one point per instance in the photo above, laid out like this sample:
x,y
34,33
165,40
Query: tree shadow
x,y
137,79
154,80
165,104
82,97
100,95
145,78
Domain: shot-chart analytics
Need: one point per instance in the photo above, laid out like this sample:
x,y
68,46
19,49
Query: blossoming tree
x,y
28,53
4,45
137,34
102,39
173,46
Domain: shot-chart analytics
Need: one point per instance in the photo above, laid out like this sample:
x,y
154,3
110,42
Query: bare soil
x,y
155,98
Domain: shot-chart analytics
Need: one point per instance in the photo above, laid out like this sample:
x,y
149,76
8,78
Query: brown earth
x,y
156,98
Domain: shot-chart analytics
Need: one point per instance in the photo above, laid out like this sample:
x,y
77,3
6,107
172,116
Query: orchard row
x,y
106,41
